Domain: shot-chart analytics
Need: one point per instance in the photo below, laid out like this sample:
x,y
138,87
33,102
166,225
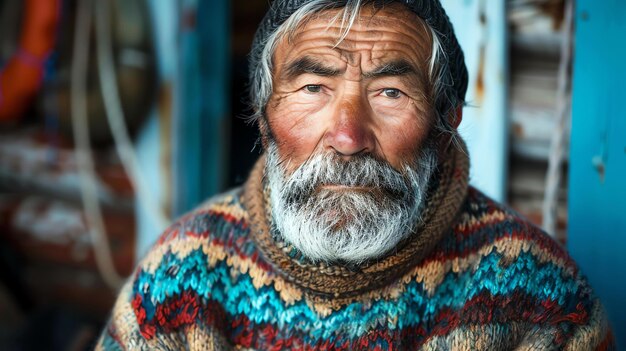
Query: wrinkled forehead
x,y
385,34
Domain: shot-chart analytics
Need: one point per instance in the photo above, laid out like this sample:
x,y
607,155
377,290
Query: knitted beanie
x,y
454,72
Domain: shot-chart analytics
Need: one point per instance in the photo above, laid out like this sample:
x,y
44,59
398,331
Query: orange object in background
x,y
21,77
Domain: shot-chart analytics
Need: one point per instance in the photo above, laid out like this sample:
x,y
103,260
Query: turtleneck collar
x,y
334,281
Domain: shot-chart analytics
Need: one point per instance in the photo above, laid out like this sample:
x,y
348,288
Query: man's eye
x,y
391,93
313,88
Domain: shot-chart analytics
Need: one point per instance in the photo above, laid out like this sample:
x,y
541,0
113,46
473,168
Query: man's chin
x,y
350,228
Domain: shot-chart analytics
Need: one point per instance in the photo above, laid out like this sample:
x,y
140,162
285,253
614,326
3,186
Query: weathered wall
x,y
597,206
480,26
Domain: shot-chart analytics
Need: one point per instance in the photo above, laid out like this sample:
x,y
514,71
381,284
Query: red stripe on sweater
x,y
186,310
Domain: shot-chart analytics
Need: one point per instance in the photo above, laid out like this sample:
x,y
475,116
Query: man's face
x,y
348,156
369,94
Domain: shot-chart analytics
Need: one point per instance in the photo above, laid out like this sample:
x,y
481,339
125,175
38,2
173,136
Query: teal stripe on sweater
x,y
238,296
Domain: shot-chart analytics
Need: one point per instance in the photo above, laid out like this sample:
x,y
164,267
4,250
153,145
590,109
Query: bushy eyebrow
x,y
309,65
393,68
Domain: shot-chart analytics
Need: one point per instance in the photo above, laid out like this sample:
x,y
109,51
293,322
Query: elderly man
x,y
357,230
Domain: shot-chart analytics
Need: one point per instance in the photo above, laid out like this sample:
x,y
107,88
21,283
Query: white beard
x,y
348,225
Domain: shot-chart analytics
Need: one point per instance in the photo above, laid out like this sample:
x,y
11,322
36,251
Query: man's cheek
x,y
295,141
399,148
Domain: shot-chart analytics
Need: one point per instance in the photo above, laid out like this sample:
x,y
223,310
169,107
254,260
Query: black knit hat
x,y
453,64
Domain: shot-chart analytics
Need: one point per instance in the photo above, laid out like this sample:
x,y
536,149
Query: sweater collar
x,y
328,281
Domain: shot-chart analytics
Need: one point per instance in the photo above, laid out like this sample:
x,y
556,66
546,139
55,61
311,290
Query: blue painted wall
x,y
597,202
201,120
481,29
150,152
192,39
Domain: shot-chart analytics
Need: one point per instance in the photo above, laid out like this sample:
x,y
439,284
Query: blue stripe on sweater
x,y
238,296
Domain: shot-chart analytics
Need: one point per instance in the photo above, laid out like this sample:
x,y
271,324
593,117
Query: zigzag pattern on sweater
x,y
492,275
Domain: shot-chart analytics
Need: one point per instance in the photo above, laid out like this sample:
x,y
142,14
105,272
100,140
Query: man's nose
x,y
350,132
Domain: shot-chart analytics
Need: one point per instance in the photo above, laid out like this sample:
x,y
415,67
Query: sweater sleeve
x,y
582,330
596,334
122,330
154,312
129,329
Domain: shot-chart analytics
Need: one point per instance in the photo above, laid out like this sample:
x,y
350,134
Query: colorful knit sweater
x,y
476,276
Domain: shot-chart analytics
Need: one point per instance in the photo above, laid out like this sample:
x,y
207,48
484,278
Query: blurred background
x,y
117,116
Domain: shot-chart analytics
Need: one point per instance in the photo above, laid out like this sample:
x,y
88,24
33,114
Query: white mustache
x,y
360,171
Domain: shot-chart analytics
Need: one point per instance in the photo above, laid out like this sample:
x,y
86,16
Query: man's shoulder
x,y
189,264
510,255
484,209
485,225
511,268
193,252
226,204
212,219
200,239
481,213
